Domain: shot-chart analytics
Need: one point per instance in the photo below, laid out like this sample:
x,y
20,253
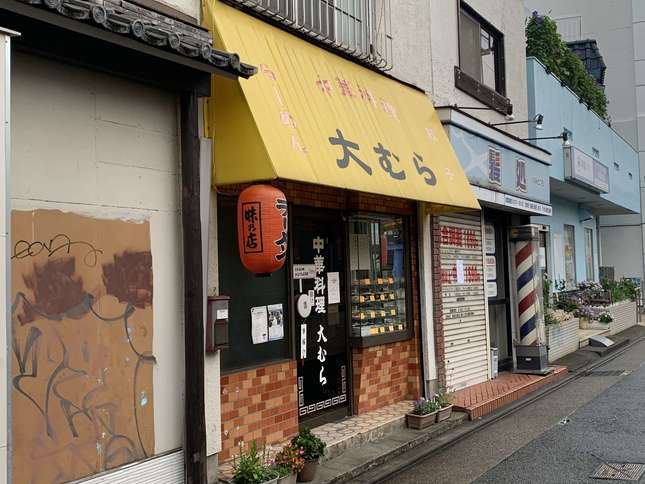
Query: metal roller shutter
x,y
465,332
165,469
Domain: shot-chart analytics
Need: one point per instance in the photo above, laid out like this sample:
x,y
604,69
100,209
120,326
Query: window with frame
x,y
378,260
589,255
360,28
570,256
481,50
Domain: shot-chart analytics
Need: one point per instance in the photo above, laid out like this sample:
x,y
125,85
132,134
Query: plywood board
x,y
82,360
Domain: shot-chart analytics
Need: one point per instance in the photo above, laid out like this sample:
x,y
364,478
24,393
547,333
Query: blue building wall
x,y
562,110
566,212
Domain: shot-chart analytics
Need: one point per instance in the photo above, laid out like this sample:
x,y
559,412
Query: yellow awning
x,y
312,116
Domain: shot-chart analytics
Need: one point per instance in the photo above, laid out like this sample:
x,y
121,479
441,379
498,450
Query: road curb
x,y
467,429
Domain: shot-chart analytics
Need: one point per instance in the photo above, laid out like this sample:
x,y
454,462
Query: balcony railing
x,y
358,28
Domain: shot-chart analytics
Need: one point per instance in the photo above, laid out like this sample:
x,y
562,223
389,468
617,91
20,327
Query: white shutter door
x,y
463,298
165,469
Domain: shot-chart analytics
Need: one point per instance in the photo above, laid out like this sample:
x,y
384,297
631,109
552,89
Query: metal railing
x,y
359,28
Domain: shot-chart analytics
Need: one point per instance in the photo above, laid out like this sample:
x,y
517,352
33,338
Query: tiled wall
x,y
259,404
384,375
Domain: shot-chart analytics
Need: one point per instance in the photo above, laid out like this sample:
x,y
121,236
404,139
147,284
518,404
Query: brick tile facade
x,y
384,375
256,404
259,404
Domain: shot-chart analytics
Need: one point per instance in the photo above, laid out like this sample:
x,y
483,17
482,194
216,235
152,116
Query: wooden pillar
x,y
195,424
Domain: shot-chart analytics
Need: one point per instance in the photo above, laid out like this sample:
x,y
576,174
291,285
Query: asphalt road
x,y
560,438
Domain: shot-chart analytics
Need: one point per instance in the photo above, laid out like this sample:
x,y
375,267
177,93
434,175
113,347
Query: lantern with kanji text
x,y
262,228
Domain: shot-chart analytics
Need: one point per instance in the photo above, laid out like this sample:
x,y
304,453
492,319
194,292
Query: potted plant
x,y
289,462
251,468
445,407
423,414
312,450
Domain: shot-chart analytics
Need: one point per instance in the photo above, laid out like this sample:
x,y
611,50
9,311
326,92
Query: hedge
x,y
544,43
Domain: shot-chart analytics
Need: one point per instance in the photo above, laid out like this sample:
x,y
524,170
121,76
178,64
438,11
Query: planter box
x,y
420,422
444,413
563,338
624,314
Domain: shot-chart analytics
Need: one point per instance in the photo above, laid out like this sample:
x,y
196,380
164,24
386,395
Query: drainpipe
x,y
5,233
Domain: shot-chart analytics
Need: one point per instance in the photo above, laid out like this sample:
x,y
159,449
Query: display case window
x,y
378,262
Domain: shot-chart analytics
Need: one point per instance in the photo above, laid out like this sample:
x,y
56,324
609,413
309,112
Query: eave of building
x,y
139,28
455,116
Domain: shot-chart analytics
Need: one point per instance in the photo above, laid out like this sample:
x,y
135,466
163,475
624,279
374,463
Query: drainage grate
x,y
605,373
619,472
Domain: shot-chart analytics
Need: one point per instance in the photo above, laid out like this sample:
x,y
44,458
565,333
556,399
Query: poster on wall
x,y
489,237
276,322
259,325
491,268
82,338
491,289
333,288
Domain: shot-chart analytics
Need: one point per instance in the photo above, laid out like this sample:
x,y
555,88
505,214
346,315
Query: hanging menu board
x,y
463,299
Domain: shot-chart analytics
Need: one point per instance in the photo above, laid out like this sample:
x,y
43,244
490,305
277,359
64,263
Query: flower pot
x,y
584,322
444,413
308,472
271,481
420,421
290,479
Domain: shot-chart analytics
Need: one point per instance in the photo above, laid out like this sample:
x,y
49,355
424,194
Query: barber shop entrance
x,y
320,315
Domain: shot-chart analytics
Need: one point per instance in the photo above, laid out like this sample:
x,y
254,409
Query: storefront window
x,y
378,265
589,258
570,256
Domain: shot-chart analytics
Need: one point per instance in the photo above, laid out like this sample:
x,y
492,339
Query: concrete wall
x,y
100,146
566,212
192,8
562,110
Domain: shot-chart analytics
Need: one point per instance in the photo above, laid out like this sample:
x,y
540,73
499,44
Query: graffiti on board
x,y
82,360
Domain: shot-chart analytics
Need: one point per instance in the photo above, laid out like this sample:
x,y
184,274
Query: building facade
x,y
594,174
618,29
340,329
101,170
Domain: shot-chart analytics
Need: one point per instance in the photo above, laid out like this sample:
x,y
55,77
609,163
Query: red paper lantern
x,y
262,228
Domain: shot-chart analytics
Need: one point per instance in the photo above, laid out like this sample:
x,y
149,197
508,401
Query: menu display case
x,y
378,276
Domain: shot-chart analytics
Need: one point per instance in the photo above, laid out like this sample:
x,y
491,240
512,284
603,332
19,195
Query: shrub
x,y
623,290
544,43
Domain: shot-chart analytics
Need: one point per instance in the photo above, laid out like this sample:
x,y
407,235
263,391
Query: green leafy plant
x,y
546,291
568,304
251,467
623,290
442,399
549,318
311,445
423,406
289,460
544,43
